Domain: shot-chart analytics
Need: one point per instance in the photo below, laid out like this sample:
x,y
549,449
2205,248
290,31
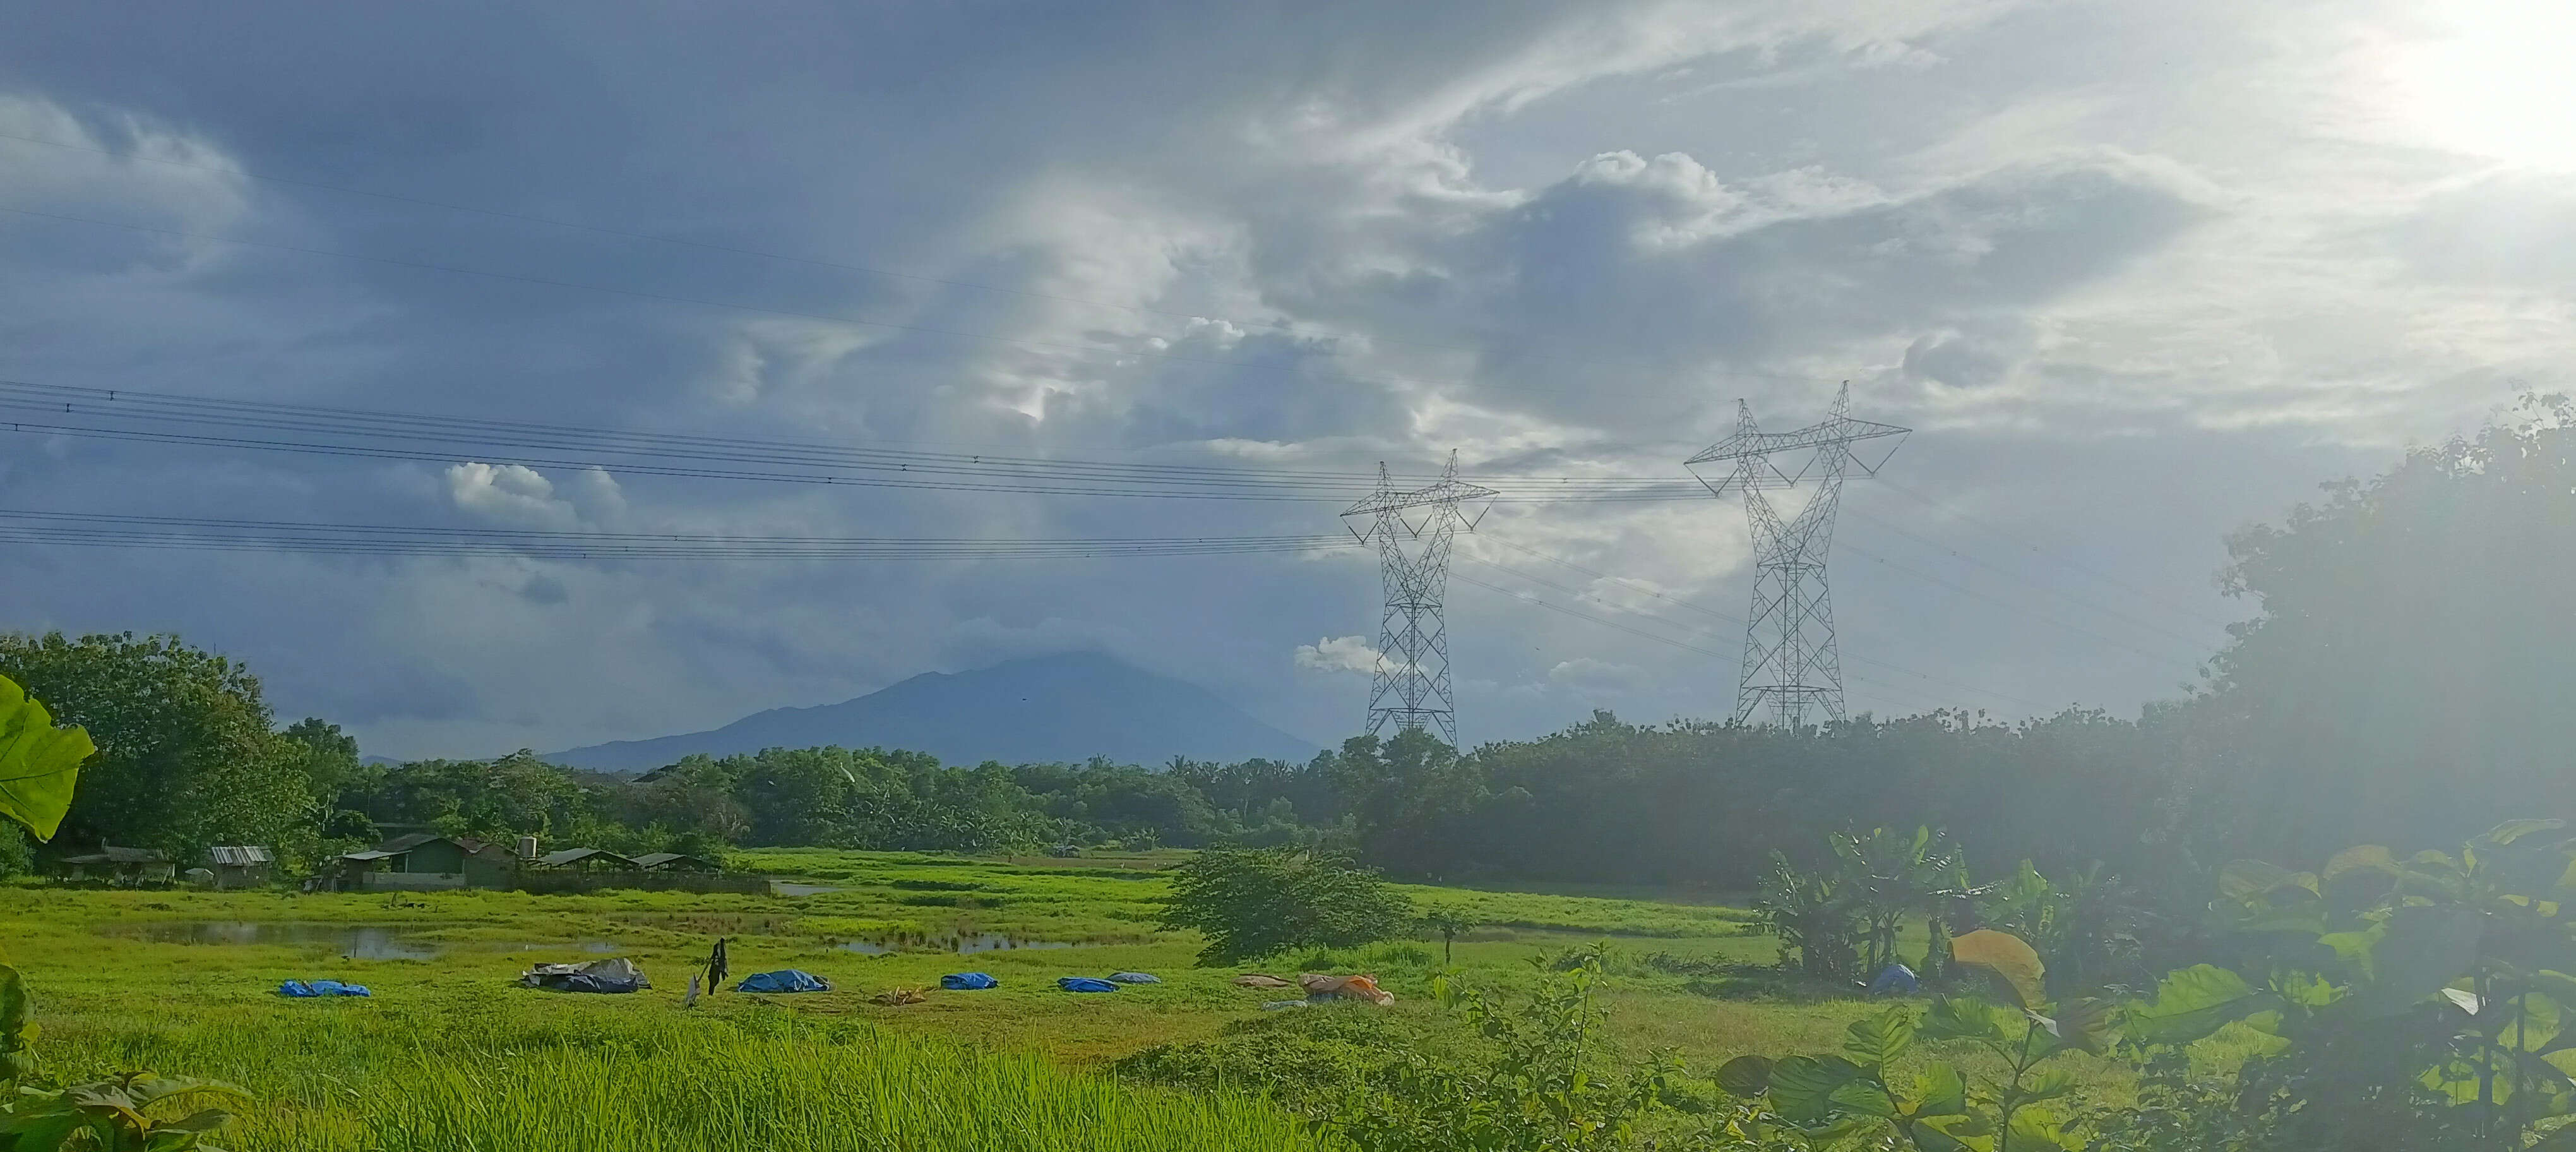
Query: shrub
x,y
1255,902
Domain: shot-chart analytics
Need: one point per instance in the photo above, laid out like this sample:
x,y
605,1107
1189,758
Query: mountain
x,y
1066,707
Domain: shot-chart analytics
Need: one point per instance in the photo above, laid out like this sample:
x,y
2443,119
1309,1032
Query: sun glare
x,y
2490,78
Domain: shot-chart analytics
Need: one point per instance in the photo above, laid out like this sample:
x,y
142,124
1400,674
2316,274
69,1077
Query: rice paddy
x,y
448,1053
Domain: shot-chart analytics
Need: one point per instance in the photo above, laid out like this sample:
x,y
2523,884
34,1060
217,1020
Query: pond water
x,y
354,941
784,888
963,943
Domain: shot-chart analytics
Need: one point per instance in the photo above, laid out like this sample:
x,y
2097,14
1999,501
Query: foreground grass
x,y
533,1070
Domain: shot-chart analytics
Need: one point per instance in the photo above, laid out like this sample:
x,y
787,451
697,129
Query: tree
x,y
1450,924
2406,679
186,757
1255,902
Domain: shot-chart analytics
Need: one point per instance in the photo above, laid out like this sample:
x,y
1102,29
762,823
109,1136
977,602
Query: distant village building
x,y
427,860
124,866
675,862
240,865
586,859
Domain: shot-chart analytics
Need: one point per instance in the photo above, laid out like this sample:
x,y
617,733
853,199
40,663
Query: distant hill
x,y
1067,707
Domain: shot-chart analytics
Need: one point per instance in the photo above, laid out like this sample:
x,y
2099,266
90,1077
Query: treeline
x,y
2403,678
2406,677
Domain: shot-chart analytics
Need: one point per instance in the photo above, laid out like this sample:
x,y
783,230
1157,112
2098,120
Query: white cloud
x,y
1597,679
1338,654
511,494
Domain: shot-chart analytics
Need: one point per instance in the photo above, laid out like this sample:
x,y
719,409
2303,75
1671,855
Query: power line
x,y
2044,555
219,534
1736,622
1533,601
409,436
2017,610
2095,606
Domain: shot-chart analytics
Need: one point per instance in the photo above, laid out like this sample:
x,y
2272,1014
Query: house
x,y
675,862
240,865
126,867
427,860
586,859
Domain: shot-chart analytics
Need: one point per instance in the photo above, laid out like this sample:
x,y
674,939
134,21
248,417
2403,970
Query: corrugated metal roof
x,y
370,854
577,855
111,854
240,855
653,860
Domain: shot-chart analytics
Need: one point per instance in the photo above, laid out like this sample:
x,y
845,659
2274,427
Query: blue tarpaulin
x,y
301,989
783,980
1085,984
968,982
1135,978
1893,980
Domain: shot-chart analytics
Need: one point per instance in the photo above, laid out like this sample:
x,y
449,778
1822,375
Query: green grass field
x,y
447,1033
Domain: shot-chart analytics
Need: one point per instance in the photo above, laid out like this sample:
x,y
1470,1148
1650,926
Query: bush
x,y
1255,902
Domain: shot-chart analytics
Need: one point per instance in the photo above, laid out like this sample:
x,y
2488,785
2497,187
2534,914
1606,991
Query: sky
x,y
2136,274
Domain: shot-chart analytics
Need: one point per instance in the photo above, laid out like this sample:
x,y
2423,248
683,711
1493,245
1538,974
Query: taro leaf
x,y
1872,1041
38,762
2466,1001
1746,1076
1939,1090
1802,1086
2191,1003
2426,948
2005,955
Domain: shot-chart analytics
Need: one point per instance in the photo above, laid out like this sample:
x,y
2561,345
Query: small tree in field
x,y
1258,902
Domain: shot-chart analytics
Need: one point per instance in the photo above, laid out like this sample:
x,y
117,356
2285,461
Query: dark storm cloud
x,y
1553,236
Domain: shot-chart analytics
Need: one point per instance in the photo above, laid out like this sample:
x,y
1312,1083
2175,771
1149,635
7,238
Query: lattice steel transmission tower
x,y
1411,684
1791,661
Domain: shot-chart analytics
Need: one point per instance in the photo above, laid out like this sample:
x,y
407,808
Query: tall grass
x,y
347,1079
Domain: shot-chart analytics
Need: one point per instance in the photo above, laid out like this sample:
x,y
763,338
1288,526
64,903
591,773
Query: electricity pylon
x,y
1411,683
1791,661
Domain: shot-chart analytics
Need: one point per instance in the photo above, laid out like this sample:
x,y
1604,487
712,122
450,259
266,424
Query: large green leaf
x,y
1939,1090
1872,1041
2425,948
2191,1003
1745,1075
2084,1023
38,762
1802,1087
1968,1018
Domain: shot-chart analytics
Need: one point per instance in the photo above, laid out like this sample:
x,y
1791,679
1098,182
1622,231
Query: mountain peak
x,y
1061,706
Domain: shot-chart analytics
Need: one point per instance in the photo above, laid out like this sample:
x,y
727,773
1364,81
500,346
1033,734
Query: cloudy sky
x,y
2136,273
